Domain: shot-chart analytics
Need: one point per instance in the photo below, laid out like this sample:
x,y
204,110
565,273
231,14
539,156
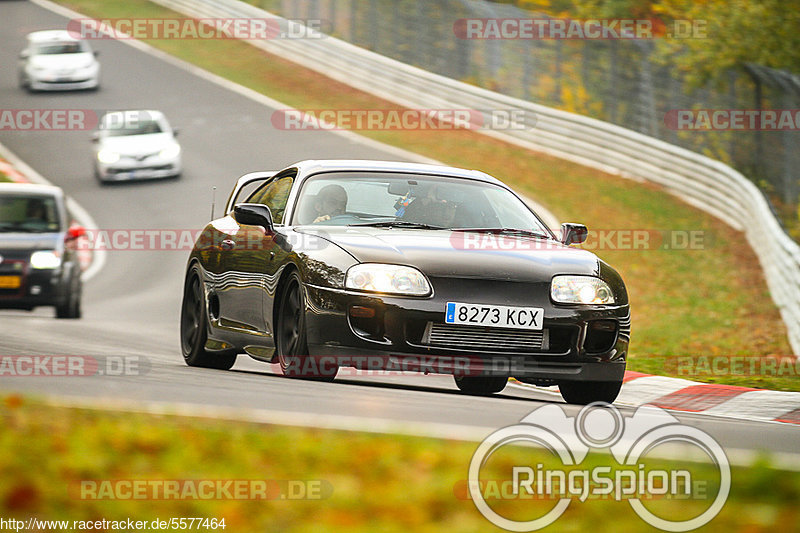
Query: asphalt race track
x,y
131,306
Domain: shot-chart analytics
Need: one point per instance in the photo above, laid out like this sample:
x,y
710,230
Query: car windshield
x,y
28,214
127,127
410,200
66,47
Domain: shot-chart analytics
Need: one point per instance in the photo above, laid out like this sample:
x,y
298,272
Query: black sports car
x,y
387,265
39,264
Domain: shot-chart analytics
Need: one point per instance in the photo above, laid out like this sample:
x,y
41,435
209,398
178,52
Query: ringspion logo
x,y
628,478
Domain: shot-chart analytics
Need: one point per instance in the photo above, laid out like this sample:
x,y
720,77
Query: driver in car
x,y
330,202
429,208
36,212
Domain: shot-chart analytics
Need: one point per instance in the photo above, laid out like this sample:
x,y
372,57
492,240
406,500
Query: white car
x,y
132,145
54,60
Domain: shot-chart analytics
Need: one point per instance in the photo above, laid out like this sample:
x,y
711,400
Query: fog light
x,y
36,290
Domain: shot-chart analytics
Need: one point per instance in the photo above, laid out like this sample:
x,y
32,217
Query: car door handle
x,y
228,244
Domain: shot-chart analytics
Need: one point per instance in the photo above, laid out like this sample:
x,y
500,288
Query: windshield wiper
x,y
398,224
507,231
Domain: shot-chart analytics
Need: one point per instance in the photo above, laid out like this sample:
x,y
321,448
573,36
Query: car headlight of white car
x,y
107,157
45,259
387,279
170,152
580,290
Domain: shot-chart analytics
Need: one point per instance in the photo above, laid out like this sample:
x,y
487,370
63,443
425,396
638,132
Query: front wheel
x,y
71,308
586,392
291,339
480,385
194,328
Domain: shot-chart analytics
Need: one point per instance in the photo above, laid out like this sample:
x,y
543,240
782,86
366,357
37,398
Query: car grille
x,y
479,337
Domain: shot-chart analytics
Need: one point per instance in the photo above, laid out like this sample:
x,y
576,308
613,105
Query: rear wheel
x,y
586,392
194,326
481,385
291,339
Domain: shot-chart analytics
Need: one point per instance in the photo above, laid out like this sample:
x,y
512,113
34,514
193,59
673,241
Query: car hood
x,y
450,254
62,61
28,241
137,144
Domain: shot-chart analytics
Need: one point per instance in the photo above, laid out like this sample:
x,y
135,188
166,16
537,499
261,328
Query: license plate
x,y
9,282
498,316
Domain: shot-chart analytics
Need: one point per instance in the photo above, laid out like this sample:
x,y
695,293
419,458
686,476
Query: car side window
x,y
274,195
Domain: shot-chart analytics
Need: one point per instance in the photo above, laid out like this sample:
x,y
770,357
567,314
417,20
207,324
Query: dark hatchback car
x,y
385,265
39,265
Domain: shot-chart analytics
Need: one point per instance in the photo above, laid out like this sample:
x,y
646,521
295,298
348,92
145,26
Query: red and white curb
x,y
19,172
707,398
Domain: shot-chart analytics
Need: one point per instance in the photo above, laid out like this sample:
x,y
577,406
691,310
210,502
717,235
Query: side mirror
x,y
95,136
253,215
75,232
175,132
24,54
96,53
573,233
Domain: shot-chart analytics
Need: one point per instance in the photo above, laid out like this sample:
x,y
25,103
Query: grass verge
x,y
372,482
711,300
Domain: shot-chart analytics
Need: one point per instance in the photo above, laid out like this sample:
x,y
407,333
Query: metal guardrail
x,y
703,182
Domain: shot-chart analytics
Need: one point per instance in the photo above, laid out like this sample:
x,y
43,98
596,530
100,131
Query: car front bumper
x,y
54,83
397,337
148,169
37,288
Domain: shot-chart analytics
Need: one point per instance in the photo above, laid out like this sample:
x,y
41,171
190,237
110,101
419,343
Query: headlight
x,y
170,151
107,157
580,290
389,279
45,259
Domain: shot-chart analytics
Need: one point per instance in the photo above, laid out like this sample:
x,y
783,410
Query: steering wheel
x,y
338,220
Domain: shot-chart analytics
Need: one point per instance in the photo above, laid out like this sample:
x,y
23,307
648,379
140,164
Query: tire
x,y
71,308
98,177
290,335
480,385
194,328
586,392
24,83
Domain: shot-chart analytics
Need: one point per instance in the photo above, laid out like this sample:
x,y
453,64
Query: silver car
x,y
54,60
132,145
